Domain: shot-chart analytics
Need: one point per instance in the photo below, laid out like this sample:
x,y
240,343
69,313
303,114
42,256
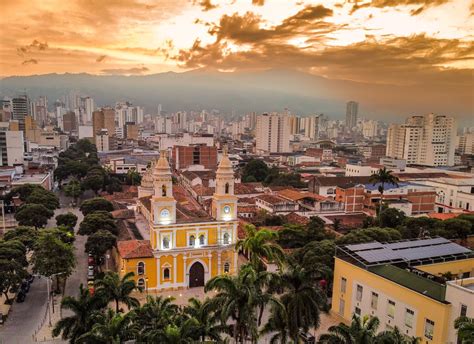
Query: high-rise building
x,y
466,143
12,147
20,110
352,108
69,122
104,119
185,156
272,133
423,140
369,129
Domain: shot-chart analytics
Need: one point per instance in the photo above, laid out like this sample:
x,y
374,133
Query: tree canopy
x,y
95,204
36,215
97,220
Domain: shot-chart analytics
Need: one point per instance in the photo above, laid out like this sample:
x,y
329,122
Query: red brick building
x,y
185,156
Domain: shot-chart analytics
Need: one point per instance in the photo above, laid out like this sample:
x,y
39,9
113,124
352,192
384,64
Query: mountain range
x,y
241,92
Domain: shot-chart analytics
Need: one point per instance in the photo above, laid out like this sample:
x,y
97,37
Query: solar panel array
x,y
375,252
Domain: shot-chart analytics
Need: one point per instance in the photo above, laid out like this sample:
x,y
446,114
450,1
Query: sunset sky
x,y
383,41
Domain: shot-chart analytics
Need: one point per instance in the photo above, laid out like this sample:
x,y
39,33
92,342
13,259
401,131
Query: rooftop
x,y
134,249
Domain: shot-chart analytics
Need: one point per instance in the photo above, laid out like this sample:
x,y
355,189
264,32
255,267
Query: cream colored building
x,y
272,133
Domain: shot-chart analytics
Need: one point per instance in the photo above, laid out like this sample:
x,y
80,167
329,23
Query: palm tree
x,y
301,297
260,245
111,328
239,299
80,322
395,337
183,333
154,316
206,326
361,331
465,327
382,177
277,326
113,288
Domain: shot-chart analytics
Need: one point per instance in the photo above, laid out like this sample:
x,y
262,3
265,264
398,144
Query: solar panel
x,y
432,251
366,246
381,255
415,243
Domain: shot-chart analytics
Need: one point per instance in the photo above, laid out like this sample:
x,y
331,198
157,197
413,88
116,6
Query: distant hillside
x,y
271,90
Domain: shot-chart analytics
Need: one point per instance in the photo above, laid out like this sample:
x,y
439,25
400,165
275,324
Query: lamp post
x,y
146,286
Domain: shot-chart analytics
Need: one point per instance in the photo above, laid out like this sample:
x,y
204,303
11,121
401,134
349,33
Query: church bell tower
x,y
224,202
163,202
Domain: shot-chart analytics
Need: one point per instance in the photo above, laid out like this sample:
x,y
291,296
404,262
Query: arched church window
x,y
166,242
226,238
163,191
192,240
166,273
226,188
226,267
202,240
140,268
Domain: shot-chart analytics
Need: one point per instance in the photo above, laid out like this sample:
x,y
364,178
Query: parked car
x,y
90,272
90,260
20,297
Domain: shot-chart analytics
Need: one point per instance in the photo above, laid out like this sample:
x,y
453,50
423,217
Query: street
x,y
26,317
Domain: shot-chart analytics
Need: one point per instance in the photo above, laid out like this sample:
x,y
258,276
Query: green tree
x,y
255,170
95,204
52,256
465,327
369,234
277,325
113,184
295,236
23,191
206,326
383,177
418,227
68,220
95,221
113,288
36,215
12,266
133,177
93,181
395,337
110,328
85,146
43,197
73,189
391,217
99,243
362,330
26,234
457,228
261,245
317,257
80,322
302,299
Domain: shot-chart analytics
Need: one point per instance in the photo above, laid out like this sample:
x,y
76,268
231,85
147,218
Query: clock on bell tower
x,y
163,202
224,202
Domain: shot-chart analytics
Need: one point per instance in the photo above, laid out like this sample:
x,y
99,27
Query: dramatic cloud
x,y
125,71
30,61
206,5
258,2
423,4
101,58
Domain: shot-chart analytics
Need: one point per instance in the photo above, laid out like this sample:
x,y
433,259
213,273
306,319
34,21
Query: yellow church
x,y
186,248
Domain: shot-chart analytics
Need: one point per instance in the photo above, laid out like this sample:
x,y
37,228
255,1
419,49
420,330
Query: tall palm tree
x,y
395,337
361,331
206,326
183,333
80,322
111,328
154,316
277,326
301,297
113,288
238,298
465,327
260,245
382,177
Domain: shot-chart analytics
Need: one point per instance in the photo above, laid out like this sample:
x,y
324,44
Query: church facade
x,y
186,248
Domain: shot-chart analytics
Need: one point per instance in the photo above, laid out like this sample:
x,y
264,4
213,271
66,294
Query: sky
x,y
379,41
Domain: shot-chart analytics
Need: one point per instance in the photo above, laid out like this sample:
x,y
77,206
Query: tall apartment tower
x,y
427,140
20,110
272,133
103,119
352,108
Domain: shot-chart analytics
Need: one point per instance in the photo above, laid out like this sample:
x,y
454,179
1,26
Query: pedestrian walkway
x,y
44,332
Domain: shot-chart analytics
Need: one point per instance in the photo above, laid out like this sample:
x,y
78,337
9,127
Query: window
x,y
391,309
226,188
141,283
357,311
192,240
374,300
429,328
342,304
409,315
163,191
166,273
343,285
359,293
140,268
463,310
166,242
226,267
202,240
226,238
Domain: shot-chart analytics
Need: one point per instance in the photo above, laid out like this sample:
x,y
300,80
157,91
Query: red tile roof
x,y
295,195
134,249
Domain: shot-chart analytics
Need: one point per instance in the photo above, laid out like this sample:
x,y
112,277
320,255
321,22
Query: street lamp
x,y
146,286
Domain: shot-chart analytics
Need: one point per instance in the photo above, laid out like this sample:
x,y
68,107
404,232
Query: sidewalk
x,y
44,331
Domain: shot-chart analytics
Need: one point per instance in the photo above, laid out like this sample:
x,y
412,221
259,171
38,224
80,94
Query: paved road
x,y
25,317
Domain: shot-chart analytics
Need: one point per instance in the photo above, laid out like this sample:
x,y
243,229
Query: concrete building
x,y
12,148
352,110
272,134
102,141
466,143
402,284
423,140
20,110
104,119
369,129
69,122
130,131
360,170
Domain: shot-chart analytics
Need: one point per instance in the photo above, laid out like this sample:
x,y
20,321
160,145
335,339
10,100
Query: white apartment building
x,y
424,140
369,129
165,141
272,134
126,113
466,143
360,170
